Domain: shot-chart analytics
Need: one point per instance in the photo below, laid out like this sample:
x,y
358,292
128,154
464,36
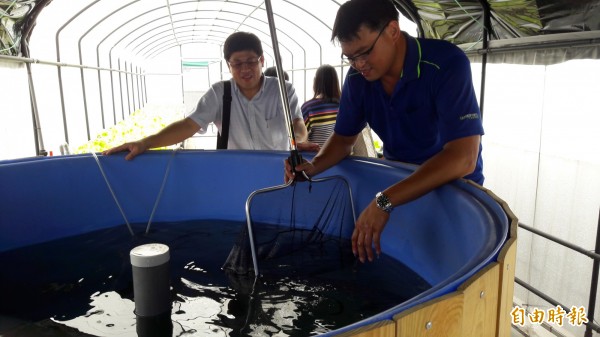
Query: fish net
x,y
291,228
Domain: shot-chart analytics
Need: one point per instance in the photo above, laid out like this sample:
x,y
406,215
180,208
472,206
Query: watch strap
x,y
383,202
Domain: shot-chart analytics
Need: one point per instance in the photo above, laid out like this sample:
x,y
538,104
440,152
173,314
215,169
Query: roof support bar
x,y
60,81
487,28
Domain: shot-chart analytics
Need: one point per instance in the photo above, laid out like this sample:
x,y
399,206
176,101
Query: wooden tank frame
x,y
480,307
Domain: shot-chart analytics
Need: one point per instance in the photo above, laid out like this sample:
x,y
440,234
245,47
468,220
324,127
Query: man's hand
x,y
134,149
367,232
305,166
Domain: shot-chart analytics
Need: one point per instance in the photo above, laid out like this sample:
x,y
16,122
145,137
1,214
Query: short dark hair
x,y
240,41
272,72
327,83
374,14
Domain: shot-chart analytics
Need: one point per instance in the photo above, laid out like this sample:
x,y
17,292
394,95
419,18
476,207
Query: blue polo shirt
x,y
433,103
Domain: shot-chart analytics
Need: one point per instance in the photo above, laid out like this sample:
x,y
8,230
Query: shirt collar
x,y
237,91
412,61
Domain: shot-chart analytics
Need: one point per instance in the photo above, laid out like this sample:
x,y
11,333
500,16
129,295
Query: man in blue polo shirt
x,y
417,95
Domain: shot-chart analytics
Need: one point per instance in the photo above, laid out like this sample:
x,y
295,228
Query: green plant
x,y
140,124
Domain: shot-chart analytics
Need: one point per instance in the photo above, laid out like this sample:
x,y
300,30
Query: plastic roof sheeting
x,y
146,28
143,29
462,21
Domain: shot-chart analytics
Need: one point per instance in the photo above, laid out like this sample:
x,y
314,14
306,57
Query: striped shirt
x,y
319,118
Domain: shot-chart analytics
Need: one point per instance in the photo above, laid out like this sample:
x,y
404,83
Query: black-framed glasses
x,y
352,60
238,65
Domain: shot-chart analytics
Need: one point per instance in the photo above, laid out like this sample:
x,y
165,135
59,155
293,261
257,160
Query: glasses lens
x,y
240,65
347,61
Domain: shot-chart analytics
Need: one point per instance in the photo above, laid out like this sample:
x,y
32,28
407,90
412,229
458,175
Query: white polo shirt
x,y
256,124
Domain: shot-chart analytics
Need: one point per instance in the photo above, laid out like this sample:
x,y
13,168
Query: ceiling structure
x,y
147,28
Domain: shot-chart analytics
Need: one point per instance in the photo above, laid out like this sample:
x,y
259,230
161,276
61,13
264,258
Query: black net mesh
x,y
293,227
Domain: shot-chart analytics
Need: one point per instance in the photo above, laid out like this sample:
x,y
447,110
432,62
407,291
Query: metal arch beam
x,y
145,54
82,80
318,44
60,86
110,57
219,19
146,40
68,22
309,13
160,49
110,53
104,39
110,62
171,19
258,29
152,51
276,47
219,26
247,16
97,57
185,2
408,7
157,40
188,41
175,35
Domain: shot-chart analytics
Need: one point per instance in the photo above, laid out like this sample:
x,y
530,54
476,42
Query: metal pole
x,y
83,91
487,26
127,91
100,88
145,92
112,88
139,90
121,89
37,129
181,76
281,79
561,242
594,285
295,157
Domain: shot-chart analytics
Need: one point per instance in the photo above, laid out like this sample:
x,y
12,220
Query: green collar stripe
x,y
420,60
419,63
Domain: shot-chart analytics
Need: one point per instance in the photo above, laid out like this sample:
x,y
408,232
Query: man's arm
x,y
171,134
457,159
335,149
174,133
300,130
301,134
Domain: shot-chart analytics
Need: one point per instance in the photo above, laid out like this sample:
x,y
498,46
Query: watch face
x,y
383,202
380,202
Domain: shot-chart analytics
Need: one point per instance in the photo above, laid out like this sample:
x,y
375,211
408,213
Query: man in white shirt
x,y
257,117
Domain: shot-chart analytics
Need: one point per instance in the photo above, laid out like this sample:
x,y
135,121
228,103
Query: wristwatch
x,y
383,202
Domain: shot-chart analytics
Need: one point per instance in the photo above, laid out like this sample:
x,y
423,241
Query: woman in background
x,y
321,111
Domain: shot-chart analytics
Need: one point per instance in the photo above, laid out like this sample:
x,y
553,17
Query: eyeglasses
x,y
239,65
352,60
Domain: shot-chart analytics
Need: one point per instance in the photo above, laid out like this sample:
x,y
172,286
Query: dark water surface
x,y
82,286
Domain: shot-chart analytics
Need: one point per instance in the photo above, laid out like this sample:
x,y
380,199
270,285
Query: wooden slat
x,y
507,260
445,315
481,302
